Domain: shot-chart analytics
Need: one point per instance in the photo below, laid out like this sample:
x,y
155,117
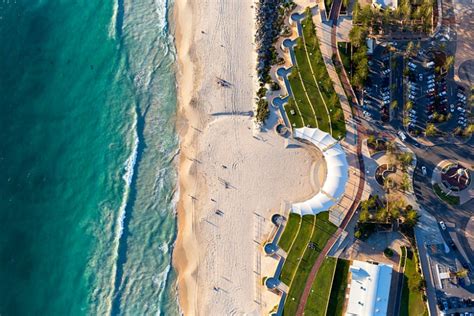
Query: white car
x,y
443,225
411,97
431,85
420,77
402,135
423,170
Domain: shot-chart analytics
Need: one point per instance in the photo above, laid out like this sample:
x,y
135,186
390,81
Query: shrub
x,y
388,252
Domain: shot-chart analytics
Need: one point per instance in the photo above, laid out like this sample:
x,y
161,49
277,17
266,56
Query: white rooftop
x,y
337,172
369,289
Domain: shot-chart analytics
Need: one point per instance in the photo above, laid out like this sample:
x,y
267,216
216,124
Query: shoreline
x,y
184,75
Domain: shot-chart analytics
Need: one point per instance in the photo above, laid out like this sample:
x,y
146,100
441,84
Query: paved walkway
x,y
352,143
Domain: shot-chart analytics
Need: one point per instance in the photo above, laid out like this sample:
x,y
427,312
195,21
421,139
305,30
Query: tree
x,y
381,215
409,105
410,48
394,104
371,140
391,147
364,216
411,217
448,62
406,158
357,35
430,129
405,185
406,120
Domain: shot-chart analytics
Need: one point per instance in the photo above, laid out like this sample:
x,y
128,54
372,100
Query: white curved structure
x,y
337,172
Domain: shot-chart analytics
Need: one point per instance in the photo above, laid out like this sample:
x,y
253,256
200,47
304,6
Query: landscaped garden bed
x,y
413,285
450,199
314,102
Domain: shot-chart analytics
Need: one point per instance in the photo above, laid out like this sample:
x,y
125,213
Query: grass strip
x,y
321,289
294,256
289,234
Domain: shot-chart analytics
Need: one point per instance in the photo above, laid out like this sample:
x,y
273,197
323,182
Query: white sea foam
x,y
149,55
113,20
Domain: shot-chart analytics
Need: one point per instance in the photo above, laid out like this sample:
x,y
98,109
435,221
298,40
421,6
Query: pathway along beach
x,y
226,164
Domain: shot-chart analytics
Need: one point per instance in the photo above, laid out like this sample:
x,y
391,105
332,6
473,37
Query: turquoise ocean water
x,y
87,141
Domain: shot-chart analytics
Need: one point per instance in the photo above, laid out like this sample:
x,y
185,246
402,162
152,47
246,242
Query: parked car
x,y
402,135
442,224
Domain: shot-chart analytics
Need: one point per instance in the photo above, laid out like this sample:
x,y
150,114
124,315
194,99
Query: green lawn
x,y
339,285
289,234
322,231
450,199
296,252
319,106
321,289
412,300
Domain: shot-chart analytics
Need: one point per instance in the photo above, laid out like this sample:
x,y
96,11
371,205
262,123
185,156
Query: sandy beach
x,y
227,164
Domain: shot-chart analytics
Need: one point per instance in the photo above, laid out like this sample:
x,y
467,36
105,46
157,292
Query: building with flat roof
x,y
369,289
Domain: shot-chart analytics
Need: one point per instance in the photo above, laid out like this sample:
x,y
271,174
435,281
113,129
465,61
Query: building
x,y
385,4
369,289
337,173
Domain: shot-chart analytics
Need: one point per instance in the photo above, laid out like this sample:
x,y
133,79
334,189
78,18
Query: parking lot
x,y
421,93
377,94
451,272
431,98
